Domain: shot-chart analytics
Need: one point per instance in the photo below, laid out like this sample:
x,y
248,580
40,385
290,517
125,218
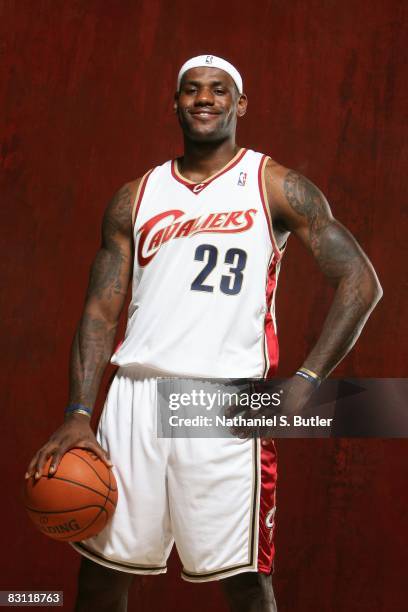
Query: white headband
x,y
211,61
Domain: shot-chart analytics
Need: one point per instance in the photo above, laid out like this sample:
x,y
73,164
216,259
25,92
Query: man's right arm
x,y
93,341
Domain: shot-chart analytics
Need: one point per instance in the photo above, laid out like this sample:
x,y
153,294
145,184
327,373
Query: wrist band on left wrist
x,y
77,408
310,376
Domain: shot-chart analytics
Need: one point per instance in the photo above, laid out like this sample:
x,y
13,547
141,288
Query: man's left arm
x,y
298,207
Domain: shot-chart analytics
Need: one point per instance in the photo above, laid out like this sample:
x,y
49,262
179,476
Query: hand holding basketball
x,y
75,432
76,502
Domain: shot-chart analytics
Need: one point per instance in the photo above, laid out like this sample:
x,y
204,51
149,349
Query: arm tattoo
x,y
108,282
90,353
105,273
347,268
302,195
308,201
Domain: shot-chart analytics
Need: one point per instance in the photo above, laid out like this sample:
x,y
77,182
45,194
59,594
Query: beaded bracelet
x,y
310,376
77,409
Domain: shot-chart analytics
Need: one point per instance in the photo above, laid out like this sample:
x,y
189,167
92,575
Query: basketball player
x,y
202,237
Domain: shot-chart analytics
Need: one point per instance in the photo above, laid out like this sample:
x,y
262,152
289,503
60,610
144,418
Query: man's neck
x,y
201,160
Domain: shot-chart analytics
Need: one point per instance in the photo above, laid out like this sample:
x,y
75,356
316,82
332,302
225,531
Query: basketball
x,y
77,501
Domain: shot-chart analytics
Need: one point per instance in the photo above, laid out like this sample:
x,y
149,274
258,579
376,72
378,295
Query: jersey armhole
x,y
265,204
139,196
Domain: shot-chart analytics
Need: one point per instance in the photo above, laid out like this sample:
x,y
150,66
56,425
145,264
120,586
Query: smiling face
x,y
208,104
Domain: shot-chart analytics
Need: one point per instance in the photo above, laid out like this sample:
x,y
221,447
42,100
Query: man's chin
x,y
204,135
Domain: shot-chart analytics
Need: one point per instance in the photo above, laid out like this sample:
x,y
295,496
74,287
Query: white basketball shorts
x,y
215,498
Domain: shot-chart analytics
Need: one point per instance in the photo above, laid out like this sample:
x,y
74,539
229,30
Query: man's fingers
x,y
98,450
37,463
56,459
31,466
43,457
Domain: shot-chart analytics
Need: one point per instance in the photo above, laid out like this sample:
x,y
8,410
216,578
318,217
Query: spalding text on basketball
x,y
71,525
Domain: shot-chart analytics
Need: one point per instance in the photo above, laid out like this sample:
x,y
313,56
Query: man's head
x,y
209,99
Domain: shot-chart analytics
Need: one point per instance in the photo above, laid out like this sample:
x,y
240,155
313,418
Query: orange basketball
x,y
77,501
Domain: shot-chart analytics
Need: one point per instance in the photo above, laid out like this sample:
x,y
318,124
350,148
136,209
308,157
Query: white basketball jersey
x,y
205,273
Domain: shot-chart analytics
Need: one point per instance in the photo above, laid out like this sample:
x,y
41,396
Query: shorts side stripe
x,y
268,465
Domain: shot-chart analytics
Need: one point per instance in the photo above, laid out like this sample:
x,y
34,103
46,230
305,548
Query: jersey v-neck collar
x,y
197,188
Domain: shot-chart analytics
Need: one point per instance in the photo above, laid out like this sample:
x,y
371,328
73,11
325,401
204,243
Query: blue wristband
x,y
77,408
314,379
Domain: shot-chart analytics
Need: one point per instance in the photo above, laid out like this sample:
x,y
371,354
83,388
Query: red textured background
x,y
85,92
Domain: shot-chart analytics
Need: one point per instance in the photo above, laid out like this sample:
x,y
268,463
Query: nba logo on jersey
x,y
242,179
209,59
